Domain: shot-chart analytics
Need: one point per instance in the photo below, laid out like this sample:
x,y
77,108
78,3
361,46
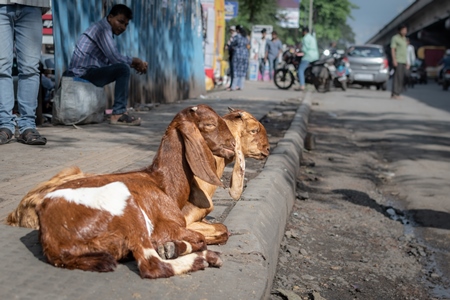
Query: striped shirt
x,y
96,48
37,3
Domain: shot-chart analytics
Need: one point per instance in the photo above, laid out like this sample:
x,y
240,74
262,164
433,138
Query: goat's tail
x,y
152,266
94,261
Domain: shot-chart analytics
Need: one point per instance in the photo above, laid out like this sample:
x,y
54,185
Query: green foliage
x,y
329,20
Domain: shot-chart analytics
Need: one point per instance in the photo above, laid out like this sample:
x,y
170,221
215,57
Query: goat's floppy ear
x,y
199,156
237,178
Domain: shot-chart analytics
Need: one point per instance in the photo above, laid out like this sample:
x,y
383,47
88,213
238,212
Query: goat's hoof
x,y
161,251
169,248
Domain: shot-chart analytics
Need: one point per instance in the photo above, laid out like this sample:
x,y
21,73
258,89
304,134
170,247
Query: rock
x,y
308,277
303,252
303,195
310,141
289,294
316,296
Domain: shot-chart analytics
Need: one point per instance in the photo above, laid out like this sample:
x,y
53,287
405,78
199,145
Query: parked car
x,y
369,66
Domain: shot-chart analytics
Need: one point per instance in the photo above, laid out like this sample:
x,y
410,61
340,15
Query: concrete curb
x,y
258,220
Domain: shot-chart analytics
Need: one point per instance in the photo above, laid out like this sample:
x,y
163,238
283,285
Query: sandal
x,y
31,137
5,136
126,120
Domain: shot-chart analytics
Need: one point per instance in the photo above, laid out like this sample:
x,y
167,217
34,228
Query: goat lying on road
x,y
251,141
91,222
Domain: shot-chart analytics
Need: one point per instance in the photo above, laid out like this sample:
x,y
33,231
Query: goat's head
x,y
253,135
204,133
251,141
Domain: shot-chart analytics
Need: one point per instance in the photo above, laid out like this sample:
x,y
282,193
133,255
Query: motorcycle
x,y
316,73
339,67
445,79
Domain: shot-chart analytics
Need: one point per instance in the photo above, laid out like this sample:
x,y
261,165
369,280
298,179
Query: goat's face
x,y
253,135
213,129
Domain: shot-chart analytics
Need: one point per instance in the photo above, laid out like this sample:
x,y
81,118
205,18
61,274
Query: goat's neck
x,y
170,169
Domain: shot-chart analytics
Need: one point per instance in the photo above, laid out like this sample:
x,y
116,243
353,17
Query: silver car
x,y
369,66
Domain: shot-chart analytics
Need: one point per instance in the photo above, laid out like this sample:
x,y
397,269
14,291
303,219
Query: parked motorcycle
x,y
316,73
445,79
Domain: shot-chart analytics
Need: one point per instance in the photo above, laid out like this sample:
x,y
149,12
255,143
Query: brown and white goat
x,y
91,222
251,141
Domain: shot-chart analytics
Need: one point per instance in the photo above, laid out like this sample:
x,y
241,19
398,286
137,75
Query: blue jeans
x,y
120,73
301,71
272,65
22,24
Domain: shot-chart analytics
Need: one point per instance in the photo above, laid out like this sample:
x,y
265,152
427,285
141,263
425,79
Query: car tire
x,y
383,86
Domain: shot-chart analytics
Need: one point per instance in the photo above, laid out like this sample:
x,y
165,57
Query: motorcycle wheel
x,y
445,86
283,79
323,81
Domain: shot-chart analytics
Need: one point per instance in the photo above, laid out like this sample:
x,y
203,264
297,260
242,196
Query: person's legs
x,y
230,62
7,119
28,37
262,67
270,68
397,85
241,83
301,72
120,73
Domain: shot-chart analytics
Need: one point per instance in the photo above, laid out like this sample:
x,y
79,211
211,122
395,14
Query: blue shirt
x,y
96,48
273,48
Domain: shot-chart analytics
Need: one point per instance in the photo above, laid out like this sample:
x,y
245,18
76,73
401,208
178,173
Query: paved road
x,y
413,137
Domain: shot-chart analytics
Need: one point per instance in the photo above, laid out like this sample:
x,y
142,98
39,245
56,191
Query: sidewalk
x,y
256,221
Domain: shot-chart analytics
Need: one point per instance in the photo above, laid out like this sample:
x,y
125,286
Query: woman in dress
x,y
240,46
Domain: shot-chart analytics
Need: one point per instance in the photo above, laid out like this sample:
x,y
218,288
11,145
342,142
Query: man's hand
x,y
394,63
139,65
407,67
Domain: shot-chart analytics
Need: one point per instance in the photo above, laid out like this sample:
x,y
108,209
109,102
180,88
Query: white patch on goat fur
x,y
148,223
111,197
188,248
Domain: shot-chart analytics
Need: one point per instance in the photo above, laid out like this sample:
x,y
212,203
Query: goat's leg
x,y
215,234
152,266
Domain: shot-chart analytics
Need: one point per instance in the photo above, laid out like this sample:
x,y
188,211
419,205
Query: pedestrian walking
x,y
399,54
20,27
309,53
230,55
240,46
274,49
262,53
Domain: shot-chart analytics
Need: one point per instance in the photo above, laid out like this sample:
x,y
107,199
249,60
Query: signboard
x,y
47,28
231,10
254,49
288,13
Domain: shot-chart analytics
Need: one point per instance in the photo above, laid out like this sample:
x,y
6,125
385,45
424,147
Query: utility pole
x,y
310,15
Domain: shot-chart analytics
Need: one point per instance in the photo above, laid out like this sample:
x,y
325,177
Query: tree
x,y
329,20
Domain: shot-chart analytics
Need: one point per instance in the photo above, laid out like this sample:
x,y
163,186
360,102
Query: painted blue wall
x,y
165,33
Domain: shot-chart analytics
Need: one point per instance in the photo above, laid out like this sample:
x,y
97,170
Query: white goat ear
x,y
237,177
199,156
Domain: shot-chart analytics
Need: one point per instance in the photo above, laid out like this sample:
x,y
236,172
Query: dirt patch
x,y
343,239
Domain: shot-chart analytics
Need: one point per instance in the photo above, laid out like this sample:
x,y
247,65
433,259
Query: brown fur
x,y
76,236
251,141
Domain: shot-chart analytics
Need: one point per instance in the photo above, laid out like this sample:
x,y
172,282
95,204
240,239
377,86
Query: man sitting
x,y
97,60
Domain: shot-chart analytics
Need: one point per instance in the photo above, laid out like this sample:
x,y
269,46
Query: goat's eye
x,y
254,131
210,126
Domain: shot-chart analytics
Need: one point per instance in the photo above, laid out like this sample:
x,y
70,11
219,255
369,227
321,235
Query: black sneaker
x,y
32,137
5,136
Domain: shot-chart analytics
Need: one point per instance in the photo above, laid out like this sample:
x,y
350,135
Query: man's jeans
x,y
262,67
120,73
272,65
301,72
24,24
